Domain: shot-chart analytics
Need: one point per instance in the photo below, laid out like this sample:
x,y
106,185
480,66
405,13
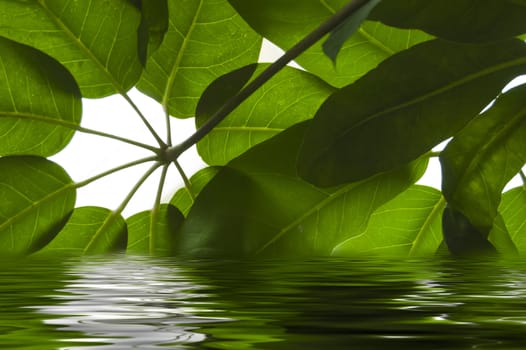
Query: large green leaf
x,y
484,156
258,206
291,96
36,198
286,22
462,20
40,103
89,230
408,226
512,209
156,239
205,39
408,104
95,40
184,198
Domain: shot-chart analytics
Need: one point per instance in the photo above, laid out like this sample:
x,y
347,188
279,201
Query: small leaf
x,y
291,96
154,25
408,225
337,38
484,156
40,103
205,39
404,107
257,206
89,230
95,40
463,20
183,199
159,239
36,198
512,209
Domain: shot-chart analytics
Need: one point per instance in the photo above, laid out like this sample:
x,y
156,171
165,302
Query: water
x,y
124,302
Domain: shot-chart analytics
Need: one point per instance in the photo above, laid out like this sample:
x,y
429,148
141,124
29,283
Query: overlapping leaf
x,y
463,20
404,107
291,96
205,39
512,209
407,226
89,230
285,23
258,206
40,103
184,198
95,40
484,156
36,198
156,239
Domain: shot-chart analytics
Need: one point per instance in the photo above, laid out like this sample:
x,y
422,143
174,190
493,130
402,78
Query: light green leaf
x,y
285,23
512,209
184,198
500,238
407,105
407,226
89,230
36,198
484,156
157,239
291,96
463,20
205,39
95,40
257,206
40,103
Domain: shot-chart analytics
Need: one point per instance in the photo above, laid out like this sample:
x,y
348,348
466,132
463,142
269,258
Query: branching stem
x,y
144,120
186,181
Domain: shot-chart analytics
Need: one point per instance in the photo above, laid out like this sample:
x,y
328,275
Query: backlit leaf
x,y
205,39
184,198
512,209
291,96
484,157
154,25
157,239
40,103
258,206
36,198
404,107
95,40
89,230
407,226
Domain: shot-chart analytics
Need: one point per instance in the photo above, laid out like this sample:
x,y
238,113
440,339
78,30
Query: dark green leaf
x,y
258,206
291,96
403,108
95,40
462,20
205,39
337,38
89,230
286,22
512,209
408,226
183,199
484,156
157,239
36,198
154,25
40,103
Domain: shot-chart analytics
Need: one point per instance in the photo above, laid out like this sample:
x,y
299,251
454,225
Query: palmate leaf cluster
x,y
317,161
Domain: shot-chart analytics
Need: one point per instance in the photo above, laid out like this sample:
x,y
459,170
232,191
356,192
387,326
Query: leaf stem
x,y
186,181
168,128
144,120
173,153
523,178
155,209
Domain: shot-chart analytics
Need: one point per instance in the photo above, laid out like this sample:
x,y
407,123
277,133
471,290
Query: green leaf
x,y
500,238
337,38
407,226
95,40
184,198
404,107
291,96
157,239
512,209
463,20
484,156
89,230
36,198
154,25
40,103
285,23
205,39
257,205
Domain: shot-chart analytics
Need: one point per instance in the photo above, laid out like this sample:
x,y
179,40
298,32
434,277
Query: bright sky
x,y
89,155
